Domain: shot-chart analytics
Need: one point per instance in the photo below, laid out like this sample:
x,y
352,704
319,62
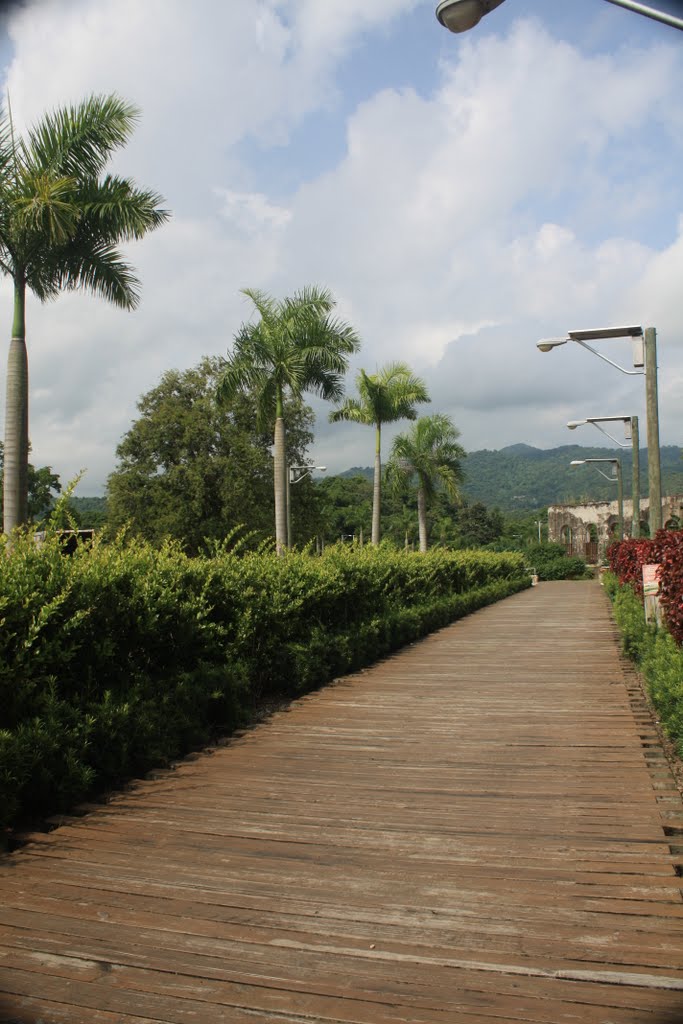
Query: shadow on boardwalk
x,y
473,831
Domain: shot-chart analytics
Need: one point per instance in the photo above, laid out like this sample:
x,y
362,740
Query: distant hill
x,y
520,477
91,512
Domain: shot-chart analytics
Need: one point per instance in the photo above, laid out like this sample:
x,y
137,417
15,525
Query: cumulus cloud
x,y
511,200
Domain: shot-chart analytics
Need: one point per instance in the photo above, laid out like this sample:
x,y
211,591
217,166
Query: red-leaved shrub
x,y
627,558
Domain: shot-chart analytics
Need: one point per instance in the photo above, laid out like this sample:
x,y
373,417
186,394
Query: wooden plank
x,y
472,830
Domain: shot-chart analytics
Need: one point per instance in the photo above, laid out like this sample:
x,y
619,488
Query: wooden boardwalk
x,y
475,831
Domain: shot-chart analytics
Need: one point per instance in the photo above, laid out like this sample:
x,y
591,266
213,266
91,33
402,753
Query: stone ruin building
x,y
587,530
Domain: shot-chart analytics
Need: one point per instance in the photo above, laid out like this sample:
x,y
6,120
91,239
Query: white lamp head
x,y
548,344
573,424
462,15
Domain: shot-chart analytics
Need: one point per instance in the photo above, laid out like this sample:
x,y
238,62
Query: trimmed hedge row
x,y
656,652
123,657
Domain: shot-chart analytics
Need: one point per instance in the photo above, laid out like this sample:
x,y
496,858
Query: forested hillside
x,y
521,477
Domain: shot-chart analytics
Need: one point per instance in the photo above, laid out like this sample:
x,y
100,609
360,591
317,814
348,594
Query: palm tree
x,y
295,346
60,223
430,452
386,396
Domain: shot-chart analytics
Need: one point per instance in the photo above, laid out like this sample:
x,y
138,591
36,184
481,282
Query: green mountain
x,y
520,478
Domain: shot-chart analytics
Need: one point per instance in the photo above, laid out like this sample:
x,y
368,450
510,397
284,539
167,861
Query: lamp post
x,y
645,362
620,486
632,434
295,474
462,15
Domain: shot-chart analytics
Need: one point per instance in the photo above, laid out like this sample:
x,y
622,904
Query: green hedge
x,y
552,562
659,657
122,657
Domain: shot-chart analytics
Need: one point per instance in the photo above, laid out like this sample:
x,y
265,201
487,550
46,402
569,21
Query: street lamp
x,y
632,434
620,486
645,362
295,474
462,15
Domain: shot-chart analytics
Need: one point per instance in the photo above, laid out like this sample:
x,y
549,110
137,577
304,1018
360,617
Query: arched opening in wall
x,y
566,538
592,544
673,524
644,528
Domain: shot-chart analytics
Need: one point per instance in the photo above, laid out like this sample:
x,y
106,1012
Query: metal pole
x,y
620,500
654,473
635,485
289,507
649,12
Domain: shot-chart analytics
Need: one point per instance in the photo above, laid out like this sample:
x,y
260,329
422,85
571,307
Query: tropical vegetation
x,y
126,655
60,224
389,395
657,651
192,470
297,345
429,452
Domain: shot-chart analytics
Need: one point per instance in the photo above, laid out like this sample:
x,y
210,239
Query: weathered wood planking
x,y
472,831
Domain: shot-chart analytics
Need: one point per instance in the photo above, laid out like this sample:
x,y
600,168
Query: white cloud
x,y
457,228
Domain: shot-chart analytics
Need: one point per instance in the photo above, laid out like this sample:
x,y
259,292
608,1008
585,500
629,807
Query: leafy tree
x,y
389,395
346,505
60,223
192,469
430,452
43,486
90,512
294,347
478,525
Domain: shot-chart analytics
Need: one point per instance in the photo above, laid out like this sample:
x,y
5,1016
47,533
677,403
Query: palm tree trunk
x,y
15,474
422,516
280,479
377,486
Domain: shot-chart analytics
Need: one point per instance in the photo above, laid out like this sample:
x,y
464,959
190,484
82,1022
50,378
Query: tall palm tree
x,y
60,223
297,345
386,396
430,452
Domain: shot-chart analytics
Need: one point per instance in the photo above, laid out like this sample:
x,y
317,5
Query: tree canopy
x,y
192,469
61,220
389,395
297,345
429,452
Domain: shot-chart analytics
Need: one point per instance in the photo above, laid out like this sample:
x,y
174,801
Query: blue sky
x,y
462,196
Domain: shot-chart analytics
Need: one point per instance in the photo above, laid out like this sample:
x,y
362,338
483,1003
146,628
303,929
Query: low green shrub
x,y
657,654
552,562
122,657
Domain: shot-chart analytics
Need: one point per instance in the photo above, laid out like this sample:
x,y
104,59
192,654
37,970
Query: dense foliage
x,y
124,656
191,470
521,478
658,655
552,562
627,558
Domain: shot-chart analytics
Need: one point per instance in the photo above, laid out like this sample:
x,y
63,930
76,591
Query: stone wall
x,y
576,526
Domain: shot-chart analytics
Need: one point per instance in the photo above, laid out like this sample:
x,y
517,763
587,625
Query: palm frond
x,y
7,149
95,266
78,140
351,410
44,207
118,210
430,451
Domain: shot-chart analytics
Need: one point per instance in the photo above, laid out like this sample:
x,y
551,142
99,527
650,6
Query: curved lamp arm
x,y
462,15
